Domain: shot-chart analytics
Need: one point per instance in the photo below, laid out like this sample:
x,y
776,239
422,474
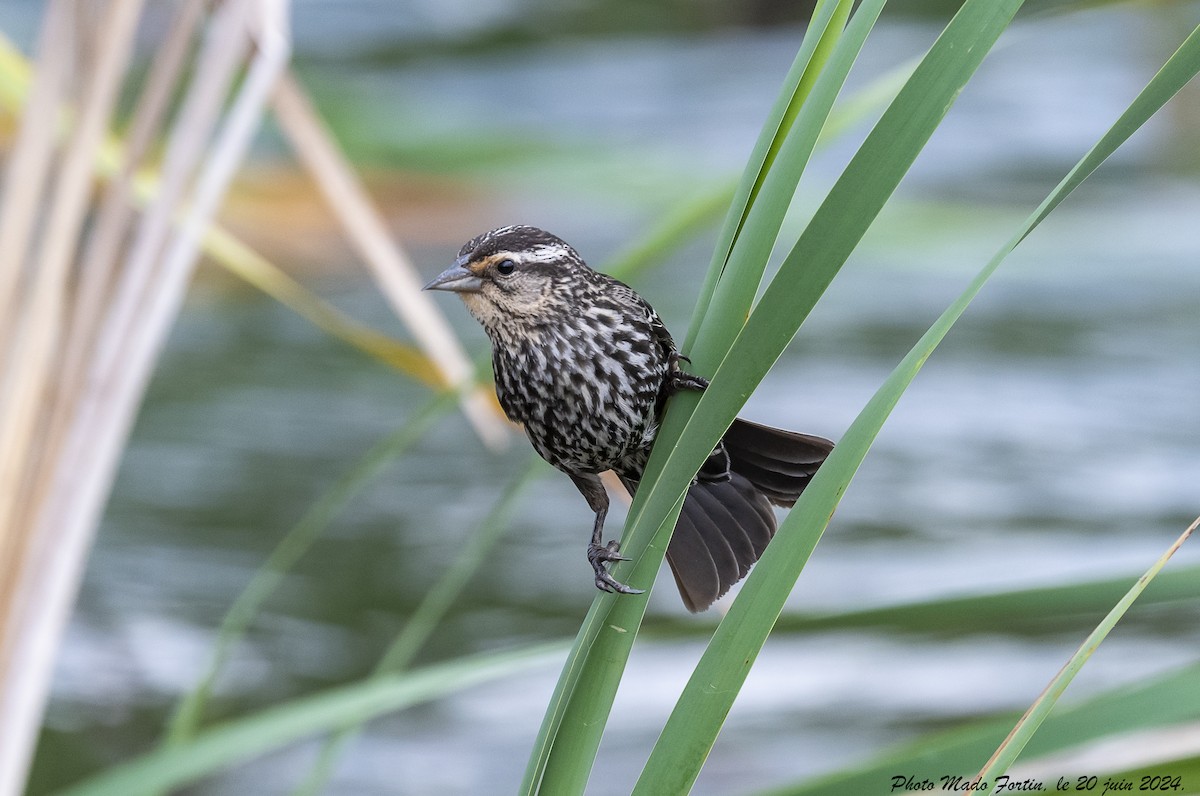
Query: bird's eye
x,y
505,267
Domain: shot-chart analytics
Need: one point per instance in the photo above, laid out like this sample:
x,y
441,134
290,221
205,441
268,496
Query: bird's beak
x,y
458,278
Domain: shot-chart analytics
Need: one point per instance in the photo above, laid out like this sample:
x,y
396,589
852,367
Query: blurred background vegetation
x,y
1052,444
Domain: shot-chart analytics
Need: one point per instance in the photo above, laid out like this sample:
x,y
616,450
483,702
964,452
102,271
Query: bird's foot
x,y
678,380
599,556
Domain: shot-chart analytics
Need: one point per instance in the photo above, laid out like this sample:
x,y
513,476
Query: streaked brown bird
x,y
586,366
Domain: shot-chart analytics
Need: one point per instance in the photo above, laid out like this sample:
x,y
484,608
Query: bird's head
x,y
513,275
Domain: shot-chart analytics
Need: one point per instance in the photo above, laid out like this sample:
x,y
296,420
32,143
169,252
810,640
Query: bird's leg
x,y
678,380
598,553
716,466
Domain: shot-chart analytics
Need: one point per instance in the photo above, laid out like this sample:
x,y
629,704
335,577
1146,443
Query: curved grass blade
x,y
549,749
1015,611
734,292
429,613
1024,729
1167,699
823,32
1184,769
243,739
879,93
1009,611
247,264
295,543
682,222
701,710
693,214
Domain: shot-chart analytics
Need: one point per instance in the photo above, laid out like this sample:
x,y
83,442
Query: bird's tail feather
x,y
779,463
723,529
727,521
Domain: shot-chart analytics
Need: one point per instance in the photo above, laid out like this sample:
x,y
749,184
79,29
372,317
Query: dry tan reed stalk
x,y
127,311
44,318
110,227
223,51
40,265
389,264
116,212
29,160
28,167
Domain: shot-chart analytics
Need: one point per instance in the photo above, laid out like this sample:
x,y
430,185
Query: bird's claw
x,y
679,380
609,552
599,556
606,582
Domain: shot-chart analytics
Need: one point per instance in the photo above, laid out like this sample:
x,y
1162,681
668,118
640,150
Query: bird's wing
x,y
661,335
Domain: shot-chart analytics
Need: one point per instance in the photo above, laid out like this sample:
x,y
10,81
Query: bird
x,y
585,365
